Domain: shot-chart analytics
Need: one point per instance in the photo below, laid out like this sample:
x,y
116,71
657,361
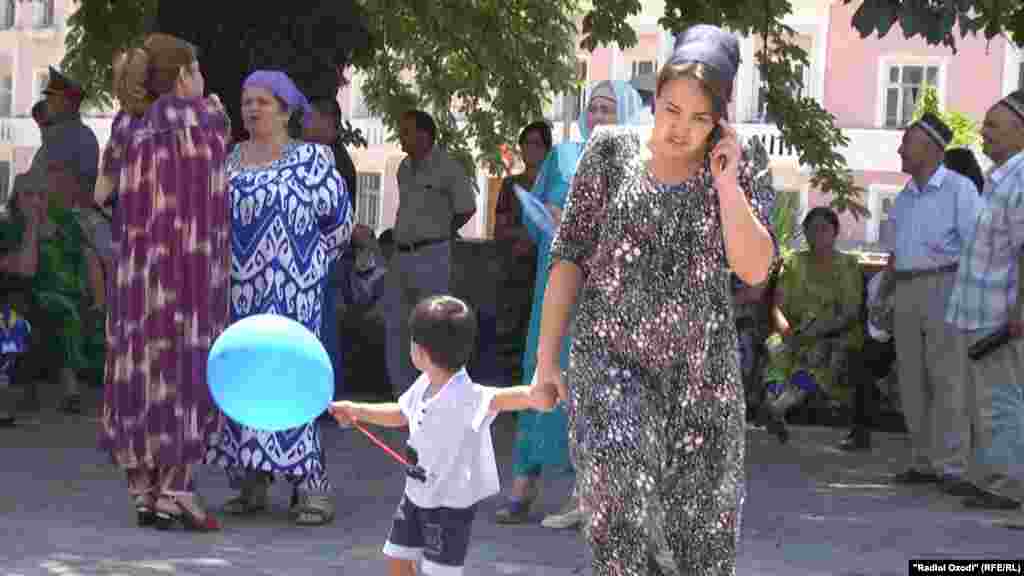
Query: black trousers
x,y
867,366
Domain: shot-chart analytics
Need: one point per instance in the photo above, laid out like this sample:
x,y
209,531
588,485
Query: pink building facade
x,y
870,85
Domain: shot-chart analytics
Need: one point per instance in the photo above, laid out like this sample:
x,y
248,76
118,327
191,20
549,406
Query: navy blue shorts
x,y
438,536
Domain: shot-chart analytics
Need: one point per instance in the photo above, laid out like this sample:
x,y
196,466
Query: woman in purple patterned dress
x,y
168,301
648,238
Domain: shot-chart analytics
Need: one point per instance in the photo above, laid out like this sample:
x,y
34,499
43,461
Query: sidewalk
x,y
811,510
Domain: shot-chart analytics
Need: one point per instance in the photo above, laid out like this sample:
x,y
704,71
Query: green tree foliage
x,y
490,63
309,39
966,133
497,60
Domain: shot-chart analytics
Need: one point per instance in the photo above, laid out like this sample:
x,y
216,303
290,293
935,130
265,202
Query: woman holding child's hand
x,y
650,235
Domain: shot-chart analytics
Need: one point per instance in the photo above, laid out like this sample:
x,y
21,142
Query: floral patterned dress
x,y
289,219
656,403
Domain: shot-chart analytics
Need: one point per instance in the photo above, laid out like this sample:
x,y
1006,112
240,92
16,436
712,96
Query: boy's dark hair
x,y
424,123
446,329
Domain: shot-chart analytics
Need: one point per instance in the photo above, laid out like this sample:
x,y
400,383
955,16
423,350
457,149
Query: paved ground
x,y
811,511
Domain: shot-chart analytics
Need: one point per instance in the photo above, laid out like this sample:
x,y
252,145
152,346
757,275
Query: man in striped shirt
x,y
933,216
985,299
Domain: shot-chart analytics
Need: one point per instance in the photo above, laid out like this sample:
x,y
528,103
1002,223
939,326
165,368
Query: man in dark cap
x,y
987,299
933,216
69,159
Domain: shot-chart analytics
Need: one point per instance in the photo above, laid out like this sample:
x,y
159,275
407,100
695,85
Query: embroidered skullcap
x,y
603,90
935,128
280,85
1015,102
711,46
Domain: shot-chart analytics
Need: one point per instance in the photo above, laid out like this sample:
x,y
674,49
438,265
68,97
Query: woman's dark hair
x,y
825,212
715,85
327,107
424,123
541,127
445,327
963,162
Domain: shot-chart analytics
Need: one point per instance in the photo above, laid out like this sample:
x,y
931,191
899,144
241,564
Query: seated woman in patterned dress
x,y
290,218
46,279
817,314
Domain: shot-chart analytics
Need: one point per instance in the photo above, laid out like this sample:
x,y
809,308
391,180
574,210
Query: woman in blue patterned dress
x,y
290,217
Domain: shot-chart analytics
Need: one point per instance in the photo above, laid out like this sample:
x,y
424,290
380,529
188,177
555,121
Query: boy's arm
x,y
522,398
388,415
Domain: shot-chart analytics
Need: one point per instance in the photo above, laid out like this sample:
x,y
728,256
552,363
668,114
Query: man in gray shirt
x,y
436,199
69,156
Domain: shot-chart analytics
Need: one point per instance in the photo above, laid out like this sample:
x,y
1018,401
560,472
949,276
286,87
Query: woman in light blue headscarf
x,y
542,438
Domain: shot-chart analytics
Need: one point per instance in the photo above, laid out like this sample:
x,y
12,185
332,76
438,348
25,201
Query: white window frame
x,y
369,201
748,80
885,62
635,65
40,77
42,9
760,116
876,192
357,100
10,97
1013,67
12,16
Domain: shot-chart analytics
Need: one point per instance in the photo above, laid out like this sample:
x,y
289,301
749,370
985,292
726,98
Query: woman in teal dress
x,y
542,438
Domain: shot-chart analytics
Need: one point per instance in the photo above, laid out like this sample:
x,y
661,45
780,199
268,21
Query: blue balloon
x,y
270,373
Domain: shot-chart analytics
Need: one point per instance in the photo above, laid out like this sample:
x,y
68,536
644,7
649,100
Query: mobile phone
x,y
715,136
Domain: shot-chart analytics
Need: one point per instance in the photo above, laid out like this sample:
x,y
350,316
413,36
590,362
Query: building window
x,y
5,181
904,85
573,112
643,68
43,14
881,227
6,95
6,14
39,81
359,106
761,113
368,199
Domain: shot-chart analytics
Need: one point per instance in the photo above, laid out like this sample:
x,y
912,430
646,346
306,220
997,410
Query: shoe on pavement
x,y
912,476
568,517
516,512
858,441
956,487
990,501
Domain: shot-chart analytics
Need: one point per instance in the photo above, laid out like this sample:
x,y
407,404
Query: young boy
x,y
449,420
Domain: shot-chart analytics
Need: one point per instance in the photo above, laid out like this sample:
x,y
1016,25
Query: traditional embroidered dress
x,y
169,292
290,219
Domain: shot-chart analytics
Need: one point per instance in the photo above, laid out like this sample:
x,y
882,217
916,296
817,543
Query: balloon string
x,y
382,445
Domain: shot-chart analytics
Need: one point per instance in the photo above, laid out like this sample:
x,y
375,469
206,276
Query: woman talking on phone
x,y
648,239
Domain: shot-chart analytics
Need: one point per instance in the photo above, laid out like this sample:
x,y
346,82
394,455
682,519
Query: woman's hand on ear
x,y
725,157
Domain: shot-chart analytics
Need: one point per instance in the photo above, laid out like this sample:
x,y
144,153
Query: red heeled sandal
x,y
172,509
